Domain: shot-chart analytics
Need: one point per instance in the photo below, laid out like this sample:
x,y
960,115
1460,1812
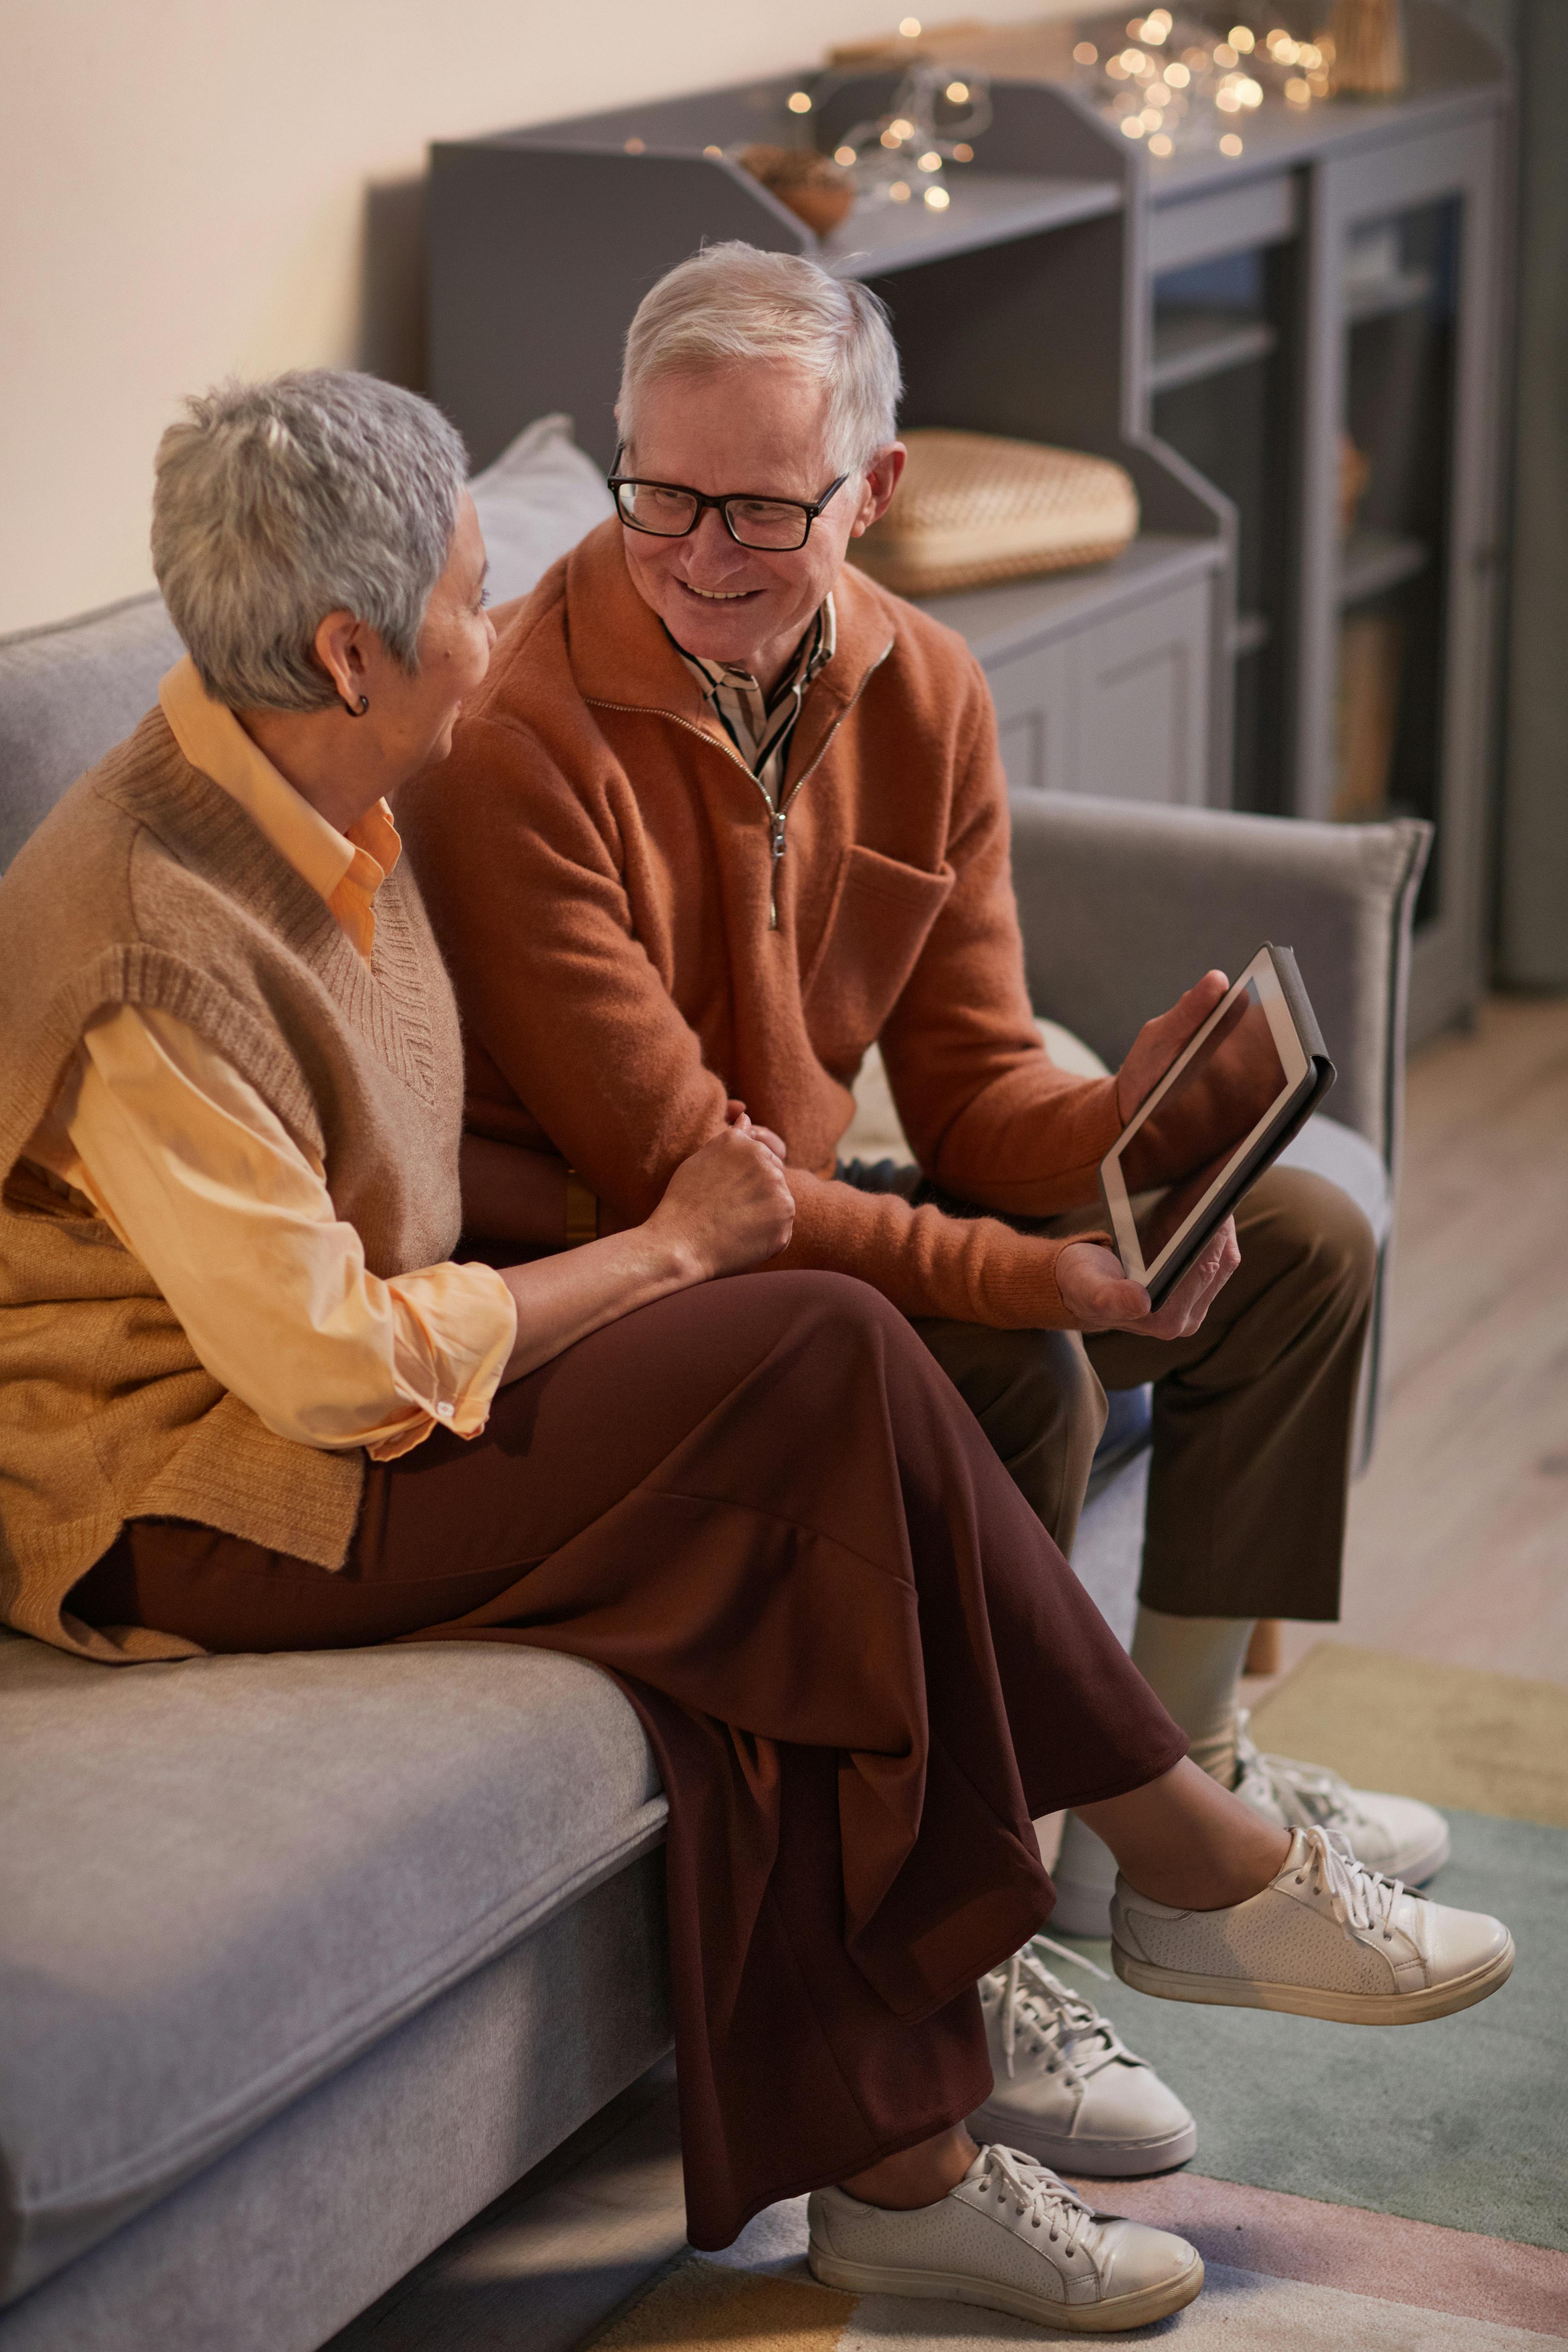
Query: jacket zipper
x,y
777,818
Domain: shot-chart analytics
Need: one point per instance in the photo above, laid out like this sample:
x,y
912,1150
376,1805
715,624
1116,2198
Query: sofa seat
x,y
223,1879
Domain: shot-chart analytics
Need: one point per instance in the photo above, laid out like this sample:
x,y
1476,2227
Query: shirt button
x,y
444,1412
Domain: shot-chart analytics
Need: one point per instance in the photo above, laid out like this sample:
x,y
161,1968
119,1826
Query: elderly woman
x,y
251,1403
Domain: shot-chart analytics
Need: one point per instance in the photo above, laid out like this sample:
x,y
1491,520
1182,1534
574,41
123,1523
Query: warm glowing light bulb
x,y
1149,118
959,92
910,27
900,129
963,153
712,151
930,161
1116,69
1242,40
1135,60
1224,55
635,146
937,199
1132,126
1177,75
891,138
1250,93
1086,53
1308,57
1230,144
1298,91
899,192
799,102
845,155
1227,101
1160,145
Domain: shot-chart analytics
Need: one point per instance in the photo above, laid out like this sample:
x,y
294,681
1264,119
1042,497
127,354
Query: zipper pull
x,y
776,844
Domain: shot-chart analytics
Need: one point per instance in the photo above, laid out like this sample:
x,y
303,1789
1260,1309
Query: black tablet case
x,y
1293,989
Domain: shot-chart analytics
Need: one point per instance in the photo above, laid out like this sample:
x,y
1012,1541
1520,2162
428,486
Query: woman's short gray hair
x,y
278,503
733,303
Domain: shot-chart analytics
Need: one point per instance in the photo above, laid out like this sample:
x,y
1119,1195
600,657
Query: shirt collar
x,y
346,869
816,650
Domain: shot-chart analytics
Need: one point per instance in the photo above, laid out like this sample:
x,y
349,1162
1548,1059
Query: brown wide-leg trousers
x,y
862,1664
1253,1415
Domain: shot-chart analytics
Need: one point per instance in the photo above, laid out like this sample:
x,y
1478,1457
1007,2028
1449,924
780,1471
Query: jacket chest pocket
x,y
880,918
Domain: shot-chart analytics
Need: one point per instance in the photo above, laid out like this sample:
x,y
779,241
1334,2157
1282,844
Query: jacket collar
x,y
620,655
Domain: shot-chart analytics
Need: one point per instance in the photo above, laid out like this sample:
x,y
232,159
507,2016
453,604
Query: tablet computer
x,y
1226,1107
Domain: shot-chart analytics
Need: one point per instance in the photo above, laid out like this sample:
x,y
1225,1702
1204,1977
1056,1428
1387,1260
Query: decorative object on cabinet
x,y
1370,59
937,113
976,508
815,188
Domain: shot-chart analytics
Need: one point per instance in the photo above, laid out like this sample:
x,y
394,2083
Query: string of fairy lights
x,y
1177,85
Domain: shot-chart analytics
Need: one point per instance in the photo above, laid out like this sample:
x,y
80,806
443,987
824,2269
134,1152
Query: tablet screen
x,y
1231,1083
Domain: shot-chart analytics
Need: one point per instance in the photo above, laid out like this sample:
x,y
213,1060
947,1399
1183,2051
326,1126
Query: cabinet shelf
x,y
1004,619
984,208
1377,298
1375,560
1190,345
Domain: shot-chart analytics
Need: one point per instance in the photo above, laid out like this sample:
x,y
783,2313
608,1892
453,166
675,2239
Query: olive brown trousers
x,y
864,1666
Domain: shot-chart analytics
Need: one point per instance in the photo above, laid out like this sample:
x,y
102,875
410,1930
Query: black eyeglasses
x,y
668,510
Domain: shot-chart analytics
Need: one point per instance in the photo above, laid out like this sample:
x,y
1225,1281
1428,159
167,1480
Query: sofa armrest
x,y
1124,904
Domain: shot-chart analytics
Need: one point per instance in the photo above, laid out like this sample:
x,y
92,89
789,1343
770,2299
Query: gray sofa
x,y
304,1960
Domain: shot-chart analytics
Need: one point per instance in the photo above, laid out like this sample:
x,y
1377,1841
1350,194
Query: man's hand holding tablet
x,y
1094,1286
1209,1094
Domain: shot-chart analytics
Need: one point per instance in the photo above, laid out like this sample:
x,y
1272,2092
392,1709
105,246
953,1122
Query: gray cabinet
x,y
1118,707
1245,336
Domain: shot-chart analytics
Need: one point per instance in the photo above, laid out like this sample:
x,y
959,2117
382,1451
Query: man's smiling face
x,y
759,428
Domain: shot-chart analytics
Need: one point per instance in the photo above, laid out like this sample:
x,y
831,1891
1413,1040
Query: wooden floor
x,y
1457,1547
1457,1550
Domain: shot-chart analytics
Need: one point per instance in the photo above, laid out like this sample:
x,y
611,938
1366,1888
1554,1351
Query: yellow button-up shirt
x,y
201,1181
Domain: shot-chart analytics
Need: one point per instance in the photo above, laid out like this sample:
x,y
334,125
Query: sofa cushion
x,y
221,1879
67,694
70,692
540,497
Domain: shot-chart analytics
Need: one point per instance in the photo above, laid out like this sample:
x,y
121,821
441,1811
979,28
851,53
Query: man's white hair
x,y
731,304
278,503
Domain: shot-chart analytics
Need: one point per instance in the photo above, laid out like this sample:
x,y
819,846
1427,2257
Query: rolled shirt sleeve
x,y
201,1182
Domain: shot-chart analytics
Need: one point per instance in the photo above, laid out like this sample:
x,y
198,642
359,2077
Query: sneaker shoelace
x,y
1067,2022
1037,2196
1363,1901
1308,1796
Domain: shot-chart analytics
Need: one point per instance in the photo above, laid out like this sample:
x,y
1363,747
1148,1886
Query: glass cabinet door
x,y
1398,510
1220,377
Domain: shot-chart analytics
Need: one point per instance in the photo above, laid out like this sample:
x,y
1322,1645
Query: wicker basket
x,y
973,508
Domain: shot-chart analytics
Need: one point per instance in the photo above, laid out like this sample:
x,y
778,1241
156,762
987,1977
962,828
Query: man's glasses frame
x,y
620,484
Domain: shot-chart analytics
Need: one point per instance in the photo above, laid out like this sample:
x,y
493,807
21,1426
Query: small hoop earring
x,y
364,706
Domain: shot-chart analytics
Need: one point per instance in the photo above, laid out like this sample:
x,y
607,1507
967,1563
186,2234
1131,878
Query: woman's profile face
x,y
454,649
407,722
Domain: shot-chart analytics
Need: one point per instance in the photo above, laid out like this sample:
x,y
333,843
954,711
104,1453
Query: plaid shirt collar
x,y
761,726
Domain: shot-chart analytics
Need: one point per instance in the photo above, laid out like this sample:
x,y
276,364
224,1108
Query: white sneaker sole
x,y
1313,2001
1097,2159
1108,2318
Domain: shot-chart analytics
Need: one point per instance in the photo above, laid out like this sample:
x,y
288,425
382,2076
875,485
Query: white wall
x,y
192,187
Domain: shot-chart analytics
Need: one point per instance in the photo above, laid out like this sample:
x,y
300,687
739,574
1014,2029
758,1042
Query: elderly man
x,y
724,814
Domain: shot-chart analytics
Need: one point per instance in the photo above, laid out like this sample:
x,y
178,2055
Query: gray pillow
x,y
538,499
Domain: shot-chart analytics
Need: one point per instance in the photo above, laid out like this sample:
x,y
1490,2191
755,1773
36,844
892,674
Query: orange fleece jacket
x,y
595,857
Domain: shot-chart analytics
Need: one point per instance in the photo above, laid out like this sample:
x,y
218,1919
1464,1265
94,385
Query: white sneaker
x,y
1066,2086
1397,1835
1326,1939
1014,2237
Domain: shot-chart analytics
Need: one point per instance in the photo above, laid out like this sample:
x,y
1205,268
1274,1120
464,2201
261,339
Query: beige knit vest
x,y
149,885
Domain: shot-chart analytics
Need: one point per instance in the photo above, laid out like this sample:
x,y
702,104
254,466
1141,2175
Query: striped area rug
x,y
1353,2191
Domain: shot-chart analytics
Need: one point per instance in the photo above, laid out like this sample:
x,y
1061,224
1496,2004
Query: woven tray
x,y
973,508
